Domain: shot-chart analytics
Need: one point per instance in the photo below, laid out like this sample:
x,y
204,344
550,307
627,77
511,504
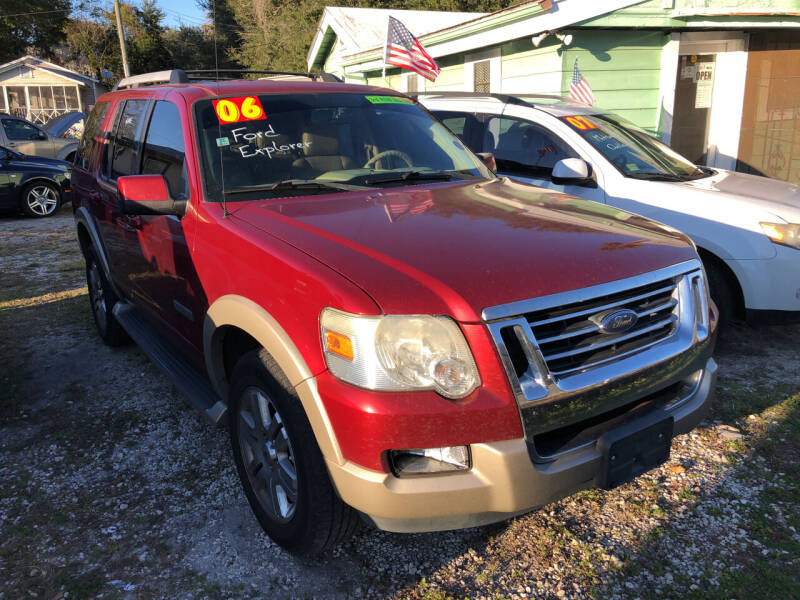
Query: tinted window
x,y
523,148
91,132
127,141
163,147
20,130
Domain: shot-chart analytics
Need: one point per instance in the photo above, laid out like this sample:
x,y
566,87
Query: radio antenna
x,y
219,125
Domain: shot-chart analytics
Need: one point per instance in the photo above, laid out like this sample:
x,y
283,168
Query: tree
x,y
31,26
276,34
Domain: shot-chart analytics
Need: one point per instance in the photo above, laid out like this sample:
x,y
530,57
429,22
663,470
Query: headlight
x,y
398,353
787,234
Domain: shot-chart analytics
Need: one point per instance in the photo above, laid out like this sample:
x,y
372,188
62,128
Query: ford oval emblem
x,y
615,321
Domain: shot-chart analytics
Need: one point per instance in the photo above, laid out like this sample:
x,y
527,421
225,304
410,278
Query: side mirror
x,y
42,135
487,158
147,195
573,171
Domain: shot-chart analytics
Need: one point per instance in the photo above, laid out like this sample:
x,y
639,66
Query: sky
x,y
181,11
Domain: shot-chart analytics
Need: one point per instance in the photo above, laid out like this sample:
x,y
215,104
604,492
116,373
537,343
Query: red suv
x,y
393,333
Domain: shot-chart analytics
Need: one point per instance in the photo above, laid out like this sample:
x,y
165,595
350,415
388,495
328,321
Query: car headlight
x,y
787,234
398,353
67,174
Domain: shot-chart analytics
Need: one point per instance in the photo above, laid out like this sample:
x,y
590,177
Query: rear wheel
x,y
279,462
40,199
102,299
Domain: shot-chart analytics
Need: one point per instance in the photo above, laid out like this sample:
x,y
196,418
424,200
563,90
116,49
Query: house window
x,y
482,79
412,83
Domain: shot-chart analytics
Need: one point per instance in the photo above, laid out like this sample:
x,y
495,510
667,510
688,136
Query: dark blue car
x,y
33,184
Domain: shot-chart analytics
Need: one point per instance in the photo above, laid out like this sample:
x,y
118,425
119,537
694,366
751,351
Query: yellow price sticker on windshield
x,y
236,110
580,123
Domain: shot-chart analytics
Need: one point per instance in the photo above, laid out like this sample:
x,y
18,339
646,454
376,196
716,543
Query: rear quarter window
x,y
91,132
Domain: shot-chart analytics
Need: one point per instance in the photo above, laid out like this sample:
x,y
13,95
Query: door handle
x,y
94,196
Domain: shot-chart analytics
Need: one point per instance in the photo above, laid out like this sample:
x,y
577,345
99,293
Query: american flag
x,y
404,50
580,89
411,203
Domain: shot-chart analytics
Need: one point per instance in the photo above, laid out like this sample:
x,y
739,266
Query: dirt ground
x,y
112,487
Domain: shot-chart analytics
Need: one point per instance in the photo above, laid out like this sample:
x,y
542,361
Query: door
x,y
121,156
26,138
528,151
168,280
693,92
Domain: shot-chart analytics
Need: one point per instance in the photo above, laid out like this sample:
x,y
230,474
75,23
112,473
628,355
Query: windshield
x,y
279,145
633,152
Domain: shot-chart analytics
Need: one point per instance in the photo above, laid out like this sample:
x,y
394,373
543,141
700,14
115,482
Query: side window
x,y
91,131
524,148
126,148
163,148
466,126
20,130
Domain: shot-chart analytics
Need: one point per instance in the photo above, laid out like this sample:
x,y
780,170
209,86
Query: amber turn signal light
x,y
339,344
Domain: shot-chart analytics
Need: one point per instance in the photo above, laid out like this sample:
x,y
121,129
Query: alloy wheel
x,y
267,454
42,200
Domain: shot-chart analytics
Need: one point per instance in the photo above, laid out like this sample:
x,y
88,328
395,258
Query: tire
x,y
40,199
721,293
279,462
70,158
102,300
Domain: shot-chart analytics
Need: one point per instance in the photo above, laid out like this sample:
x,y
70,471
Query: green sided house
x,y
719,80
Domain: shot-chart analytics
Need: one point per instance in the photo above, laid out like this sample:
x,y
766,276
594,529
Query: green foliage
x,y
276,34
31,26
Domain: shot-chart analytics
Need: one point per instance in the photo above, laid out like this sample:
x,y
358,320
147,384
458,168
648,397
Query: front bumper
x,y
503,482
771,287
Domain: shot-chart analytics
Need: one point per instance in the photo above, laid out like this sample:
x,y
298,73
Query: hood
x,y
778,197
457,248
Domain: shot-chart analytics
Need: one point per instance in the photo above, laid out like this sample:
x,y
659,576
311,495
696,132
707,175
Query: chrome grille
x,y
554,345
570,341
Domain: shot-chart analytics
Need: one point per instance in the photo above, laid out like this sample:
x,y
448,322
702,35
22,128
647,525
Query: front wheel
x,y
279,462
40,199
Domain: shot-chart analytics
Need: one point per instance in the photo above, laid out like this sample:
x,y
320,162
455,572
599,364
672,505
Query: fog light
x,y
425,461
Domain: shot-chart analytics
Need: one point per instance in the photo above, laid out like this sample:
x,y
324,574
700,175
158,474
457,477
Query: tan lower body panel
x,y
502,483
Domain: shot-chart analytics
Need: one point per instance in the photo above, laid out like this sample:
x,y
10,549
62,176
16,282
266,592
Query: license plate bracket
x,y
634,448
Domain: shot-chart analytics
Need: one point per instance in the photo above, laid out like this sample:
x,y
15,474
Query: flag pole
x,y
385,45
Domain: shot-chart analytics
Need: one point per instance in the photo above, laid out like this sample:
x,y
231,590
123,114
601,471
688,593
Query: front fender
x,y
66,150
244,314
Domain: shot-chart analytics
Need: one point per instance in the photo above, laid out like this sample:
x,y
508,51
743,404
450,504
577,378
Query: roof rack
x,y
507,98
181,76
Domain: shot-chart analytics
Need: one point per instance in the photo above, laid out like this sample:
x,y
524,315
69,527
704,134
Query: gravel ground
x,y
112,487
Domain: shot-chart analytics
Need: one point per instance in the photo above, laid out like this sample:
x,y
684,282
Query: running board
x,y
188,380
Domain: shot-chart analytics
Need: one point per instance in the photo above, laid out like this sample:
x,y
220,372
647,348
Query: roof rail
x,y
172,76
181,76
507,98
214,74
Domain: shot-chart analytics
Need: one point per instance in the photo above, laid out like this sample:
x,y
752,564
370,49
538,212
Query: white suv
x,y
746,228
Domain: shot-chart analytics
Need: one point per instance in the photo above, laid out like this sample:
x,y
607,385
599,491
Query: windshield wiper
x,y
295,184
409,176
657,177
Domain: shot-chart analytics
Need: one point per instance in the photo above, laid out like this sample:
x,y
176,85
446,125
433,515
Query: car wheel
x,y
279,462
70,158
40,199
102,300
721,293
